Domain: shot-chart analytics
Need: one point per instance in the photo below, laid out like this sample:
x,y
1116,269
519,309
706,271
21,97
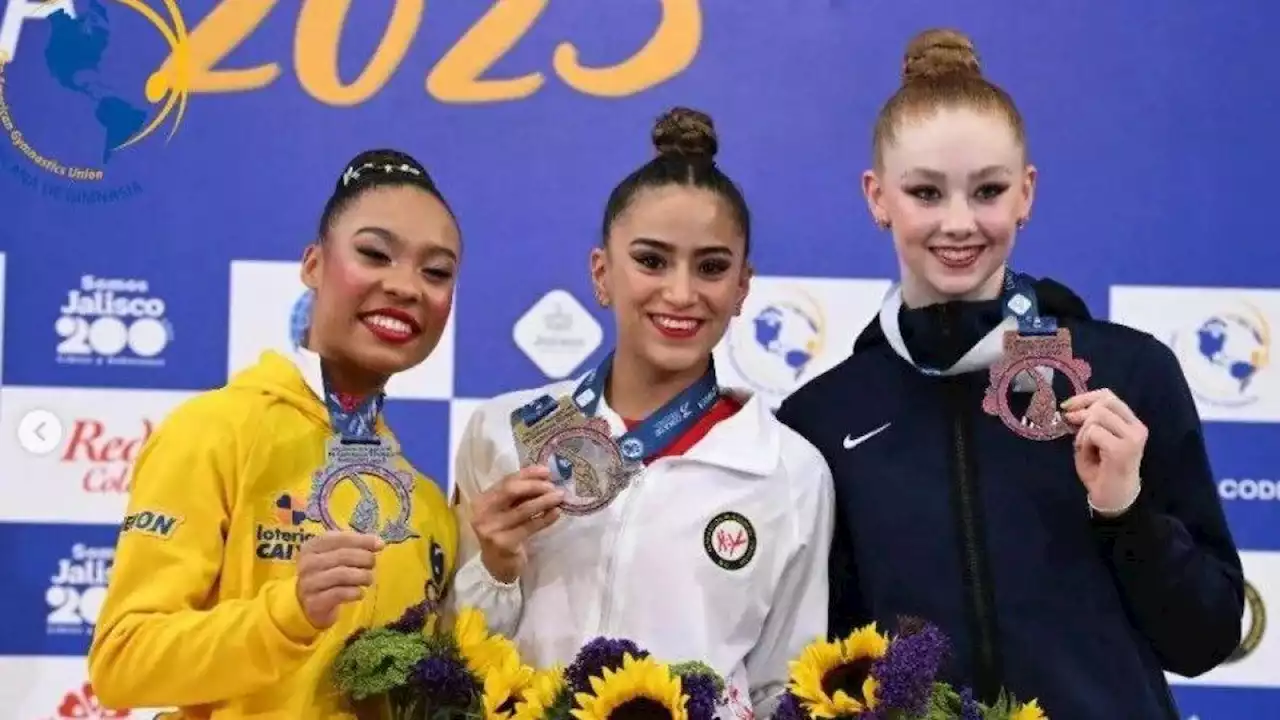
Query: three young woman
x,y
248,555
653,504
1030,478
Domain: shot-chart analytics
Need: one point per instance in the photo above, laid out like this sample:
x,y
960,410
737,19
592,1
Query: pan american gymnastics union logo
x,y
775,341
78,77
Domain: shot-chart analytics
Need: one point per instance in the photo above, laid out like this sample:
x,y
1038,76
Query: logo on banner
x,y
109,321
104,105
300,319
557,334
1224,354
1254,623
109,108
776,339
1249,489
83,703
105,454
77,589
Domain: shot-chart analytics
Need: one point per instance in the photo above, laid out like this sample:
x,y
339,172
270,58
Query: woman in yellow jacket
x,y
272,518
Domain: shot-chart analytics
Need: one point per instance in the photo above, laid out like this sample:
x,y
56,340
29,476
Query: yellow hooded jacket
x,y
202,611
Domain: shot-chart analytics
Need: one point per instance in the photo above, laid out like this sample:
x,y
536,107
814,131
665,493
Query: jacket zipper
x,y
987,679
611,563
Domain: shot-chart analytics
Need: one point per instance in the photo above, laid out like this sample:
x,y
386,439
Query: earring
x,y
883,223
1022,221
601,299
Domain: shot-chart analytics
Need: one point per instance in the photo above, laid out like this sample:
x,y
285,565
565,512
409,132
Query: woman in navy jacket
x,y
1072,550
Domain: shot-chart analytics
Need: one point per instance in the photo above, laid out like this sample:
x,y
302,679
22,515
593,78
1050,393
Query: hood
x,y
296,381
959,335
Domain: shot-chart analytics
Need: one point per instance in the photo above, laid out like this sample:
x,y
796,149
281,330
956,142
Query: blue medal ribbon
x,y
1019,302
353,424
658,431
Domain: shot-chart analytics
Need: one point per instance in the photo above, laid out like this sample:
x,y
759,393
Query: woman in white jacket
x,y
675,513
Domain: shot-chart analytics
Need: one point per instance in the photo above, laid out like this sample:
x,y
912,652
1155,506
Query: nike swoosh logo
x,y
852,442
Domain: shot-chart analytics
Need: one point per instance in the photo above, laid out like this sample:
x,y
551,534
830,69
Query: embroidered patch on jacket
x,y
151,522
730,540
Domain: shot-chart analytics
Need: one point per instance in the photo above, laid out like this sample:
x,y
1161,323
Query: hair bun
x,y
688,132
940,53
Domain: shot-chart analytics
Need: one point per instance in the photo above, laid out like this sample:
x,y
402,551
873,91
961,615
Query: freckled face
x,y
384,279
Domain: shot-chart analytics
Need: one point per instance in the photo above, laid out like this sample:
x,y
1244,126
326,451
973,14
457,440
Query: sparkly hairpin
x,y
353,173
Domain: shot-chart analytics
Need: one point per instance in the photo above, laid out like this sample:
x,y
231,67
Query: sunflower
x,y
542,692
481,650
641,689
834,678
1030,711
503,686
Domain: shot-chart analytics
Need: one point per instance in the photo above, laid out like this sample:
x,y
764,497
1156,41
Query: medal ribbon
x,y
1018,301
353,419
658,431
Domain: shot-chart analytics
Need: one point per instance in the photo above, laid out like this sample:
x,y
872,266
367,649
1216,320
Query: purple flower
x,y
789,708
907,671
445,682
594,657
703,696
969,708
412,621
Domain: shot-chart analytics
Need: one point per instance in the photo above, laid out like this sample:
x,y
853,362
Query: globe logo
x,y
776,339
66,59
300,319
1224,354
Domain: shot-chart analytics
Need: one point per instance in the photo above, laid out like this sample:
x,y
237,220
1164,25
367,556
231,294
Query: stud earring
x,y
1022,222
883,223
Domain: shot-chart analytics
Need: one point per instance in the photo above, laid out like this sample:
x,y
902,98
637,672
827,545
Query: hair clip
x,y
353,173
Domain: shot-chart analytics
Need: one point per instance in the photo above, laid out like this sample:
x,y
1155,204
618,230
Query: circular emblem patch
x,y
729,540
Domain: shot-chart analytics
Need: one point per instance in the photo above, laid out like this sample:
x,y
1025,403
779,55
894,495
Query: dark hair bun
x,y
940,53
688,132
383,165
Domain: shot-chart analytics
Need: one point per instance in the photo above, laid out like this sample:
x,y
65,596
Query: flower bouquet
x,y
871,676
414,668
612,678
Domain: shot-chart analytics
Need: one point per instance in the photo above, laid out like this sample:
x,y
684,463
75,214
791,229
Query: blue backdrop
x,y
135,276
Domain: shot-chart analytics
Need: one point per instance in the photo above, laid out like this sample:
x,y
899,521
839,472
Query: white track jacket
x,y
645,567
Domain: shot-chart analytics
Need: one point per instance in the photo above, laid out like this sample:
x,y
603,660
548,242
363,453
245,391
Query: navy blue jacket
x,y
949,516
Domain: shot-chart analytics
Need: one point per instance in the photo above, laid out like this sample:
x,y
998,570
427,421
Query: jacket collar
x,y
748,442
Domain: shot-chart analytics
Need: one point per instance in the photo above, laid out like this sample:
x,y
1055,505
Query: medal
x,y
358,456
579,449
1024,356
579,452
1031,353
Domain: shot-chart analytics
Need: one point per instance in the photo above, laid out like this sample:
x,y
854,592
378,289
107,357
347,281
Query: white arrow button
x,y
39,432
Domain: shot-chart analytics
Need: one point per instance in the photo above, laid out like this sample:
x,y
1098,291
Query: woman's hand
x,y
1108,449
333,569
508,514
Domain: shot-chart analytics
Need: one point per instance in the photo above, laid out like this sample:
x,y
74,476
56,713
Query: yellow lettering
x,y
316,50
670,50
457,77
229,24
